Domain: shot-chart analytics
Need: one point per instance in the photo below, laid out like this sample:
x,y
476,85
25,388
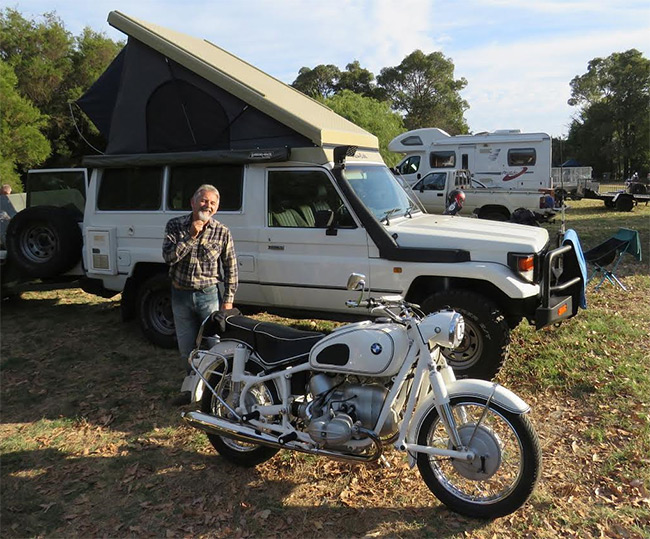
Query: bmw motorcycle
x,y
263,387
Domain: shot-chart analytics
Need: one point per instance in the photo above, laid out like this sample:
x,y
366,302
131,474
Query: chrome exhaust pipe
x,y
244,433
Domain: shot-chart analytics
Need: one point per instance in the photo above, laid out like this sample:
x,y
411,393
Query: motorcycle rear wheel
x,y
506,468
240,453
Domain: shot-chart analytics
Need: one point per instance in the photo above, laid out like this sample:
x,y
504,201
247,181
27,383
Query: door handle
x,y
276,247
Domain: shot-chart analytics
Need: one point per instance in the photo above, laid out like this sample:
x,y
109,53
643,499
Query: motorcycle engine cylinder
x,y
320,383
331,432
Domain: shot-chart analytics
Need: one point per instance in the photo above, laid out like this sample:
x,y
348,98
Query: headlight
x,y
523,265
456,330
444,328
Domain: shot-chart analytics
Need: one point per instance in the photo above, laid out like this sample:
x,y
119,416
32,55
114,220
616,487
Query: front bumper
x,y
562,285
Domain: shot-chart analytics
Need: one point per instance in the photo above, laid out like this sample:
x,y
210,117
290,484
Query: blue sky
x,y
517,56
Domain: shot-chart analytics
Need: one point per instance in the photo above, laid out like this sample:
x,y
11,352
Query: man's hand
x,y
227,306
196,227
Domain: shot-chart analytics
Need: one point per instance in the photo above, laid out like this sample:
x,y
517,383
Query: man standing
x,y
194,247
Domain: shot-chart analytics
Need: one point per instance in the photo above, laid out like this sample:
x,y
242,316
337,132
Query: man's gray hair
x,y
206,187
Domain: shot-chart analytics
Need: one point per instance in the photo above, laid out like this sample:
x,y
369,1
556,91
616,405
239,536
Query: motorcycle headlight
x,y
456,330
444,328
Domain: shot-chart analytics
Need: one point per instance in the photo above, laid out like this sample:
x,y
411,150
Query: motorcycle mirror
x,y
356,281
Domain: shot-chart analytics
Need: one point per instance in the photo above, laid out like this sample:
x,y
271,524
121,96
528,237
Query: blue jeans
x,y
190,308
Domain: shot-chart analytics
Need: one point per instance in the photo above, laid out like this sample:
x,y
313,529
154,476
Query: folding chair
x,y
611,251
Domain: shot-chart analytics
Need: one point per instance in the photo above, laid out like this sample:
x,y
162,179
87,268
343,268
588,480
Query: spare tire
x,y
44,241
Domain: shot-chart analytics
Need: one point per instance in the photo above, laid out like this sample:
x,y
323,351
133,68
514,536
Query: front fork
x,y
439,378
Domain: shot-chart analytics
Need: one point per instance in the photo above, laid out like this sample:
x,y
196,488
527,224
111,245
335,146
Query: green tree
x,y
22,145
423,88
318,82
54,68
356,79
612,129
374,116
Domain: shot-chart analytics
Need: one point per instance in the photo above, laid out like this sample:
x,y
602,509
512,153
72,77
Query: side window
x,y
130,189
434,182
410,165
304,198
442,159
519,157
184,181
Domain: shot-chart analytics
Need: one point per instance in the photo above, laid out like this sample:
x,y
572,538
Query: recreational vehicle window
x,y
130,189
410,165
442,159
521,157
184,180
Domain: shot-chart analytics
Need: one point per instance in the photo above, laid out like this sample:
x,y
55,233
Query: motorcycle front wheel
x,y
506,466
238,452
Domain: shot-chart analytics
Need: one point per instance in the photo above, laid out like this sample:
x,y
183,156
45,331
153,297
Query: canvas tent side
x,y
170,92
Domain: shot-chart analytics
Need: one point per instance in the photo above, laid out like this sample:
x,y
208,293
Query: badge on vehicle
x,y
376,348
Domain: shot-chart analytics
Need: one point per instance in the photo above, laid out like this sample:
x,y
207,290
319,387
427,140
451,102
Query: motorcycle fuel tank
x,y
366,348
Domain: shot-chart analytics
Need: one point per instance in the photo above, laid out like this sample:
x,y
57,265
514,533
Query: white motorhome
x,y
506,158
304,192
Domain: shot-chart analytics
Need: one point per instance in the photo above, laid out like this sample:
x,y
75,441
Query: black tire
x,y
638,189
624,203
485,346
240,453
507,465
154,308
609,203
494,215
44,241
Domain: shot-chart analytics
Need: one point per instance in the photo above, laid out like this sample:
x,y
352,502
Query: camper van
x,y
506,158
304,192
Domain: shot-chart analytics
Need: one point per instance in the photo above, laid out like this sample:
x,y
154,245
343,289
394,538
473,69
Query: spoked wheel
x,y
236,451
506,466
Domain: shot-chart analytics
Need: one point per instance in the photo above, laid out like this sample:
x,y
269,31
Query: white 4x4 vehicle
x,y
300,228
306,207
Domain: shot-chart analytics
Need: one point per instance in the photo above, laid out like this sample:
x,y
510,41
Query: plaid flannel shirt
x,y
194,262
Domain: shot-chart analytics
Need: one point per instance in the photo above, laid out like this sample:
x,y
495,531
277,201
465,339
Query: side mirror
x,y
323,218
356,281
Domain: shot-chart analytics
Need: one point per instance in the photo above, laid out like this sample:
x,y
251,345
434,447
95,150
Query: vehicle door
x,y
311,242
431,190
410,168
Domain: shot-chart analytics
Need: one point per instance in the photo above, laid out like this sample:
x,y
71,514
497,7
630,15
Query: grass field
x,y
90,445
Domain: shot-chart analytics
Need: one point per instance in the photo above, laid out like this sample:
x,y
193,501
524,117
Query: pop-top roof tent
x,y
171,93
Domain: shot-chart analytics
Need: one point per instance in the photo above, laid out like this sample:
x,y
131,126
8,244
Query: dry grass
x,y
91,446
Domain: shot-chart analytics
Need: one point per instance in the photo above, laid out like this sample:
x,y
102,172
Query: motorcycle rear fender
x,y
468,387
204,363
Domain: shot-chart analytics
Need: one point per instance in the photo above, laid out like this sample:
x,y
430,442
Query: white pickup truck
x,y
487,203
309,202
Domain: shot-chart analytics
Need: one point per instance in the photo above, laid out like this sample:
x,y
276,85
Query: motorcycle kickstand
x,y
383,461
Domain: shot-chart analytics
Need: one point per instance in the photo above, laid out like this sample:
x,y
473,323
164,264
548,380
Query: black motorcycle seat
x,y
277,345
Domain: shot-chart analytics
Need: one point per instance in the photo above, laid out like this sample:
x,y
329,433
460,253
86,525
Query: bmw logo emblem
x,y
376,348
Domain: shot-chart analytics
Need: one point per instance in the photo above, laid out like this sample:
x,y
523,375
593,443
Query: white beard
x,y
204,216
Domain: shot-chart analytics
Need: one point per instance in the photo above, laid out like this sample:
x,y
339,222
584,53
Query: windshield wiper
x,y
387,214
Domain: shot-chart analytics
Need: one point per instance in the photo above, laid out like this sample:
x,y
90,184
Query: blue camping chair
x,y
606,256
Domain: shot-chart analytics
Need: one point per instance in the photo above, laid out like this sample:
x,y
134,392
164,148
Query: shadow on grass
x,y
175,492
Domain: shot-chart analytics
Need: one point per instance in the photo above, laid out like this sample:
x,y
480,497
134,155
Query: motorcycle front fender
x,y
204,362
467,387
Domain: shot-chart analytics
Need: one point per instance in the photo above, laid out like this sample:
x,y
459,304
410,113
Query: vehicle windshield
x,y
379,190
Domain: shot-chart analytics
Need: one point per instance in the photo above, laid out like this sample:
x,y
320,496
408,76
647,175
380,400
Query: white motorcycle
x,y
263,387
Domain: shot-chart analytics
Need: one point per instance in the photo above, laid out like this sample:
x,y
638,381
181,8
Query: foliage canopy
x,y
612,129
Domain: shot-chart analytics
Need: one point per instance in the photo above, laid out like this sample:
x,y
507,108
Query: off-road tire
x,y
485,347
154,308
44,241
624,203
